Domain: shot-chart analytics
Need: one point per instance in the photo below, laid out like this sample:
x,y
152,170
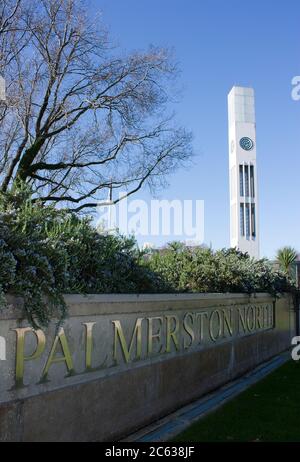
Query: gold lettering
x,y
152,336
172,334
118,334
89,344
212,324
189,330
259,323
242,318
66,358
251,318
201,316
228,321
20,358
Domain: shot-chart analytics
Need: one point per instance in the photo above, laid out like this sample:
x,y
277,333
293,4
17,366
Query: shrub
x,y
45,252
204,270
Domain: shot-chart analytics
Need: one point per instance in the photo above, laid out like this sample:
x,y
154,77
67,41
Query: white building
x,y
244,222
2,89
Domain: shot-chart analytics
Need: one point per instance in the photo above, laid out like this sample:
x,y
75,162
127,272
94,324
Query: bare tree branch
x,y
79,118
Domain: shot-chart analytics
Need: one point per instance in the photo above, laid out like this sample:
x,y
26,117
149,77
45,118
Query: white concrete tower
x,y
2,89
244,222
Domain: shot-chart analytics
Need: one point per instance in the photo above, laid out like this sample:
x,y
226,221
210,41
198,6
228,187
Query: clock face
x,y
246,143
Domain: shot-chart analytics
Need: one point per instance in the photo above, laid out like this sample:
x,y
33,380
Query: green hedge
x,y
200,269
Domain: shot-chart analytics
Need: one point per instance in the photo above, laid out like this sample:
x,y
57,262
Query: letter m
x,y
135,338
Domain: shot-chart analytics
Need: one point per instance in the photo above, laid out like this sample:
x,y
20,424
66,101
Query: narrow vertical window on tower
x,y
247,220
253,225
241,181
252,181
242,220
247,180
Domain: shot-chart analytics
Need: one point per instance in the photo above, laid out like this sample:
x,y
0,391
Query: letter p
x,y
20,357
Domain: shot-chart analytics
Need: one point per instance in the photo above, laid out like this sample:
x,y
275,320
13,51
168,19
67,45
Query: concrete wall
x,y
122,361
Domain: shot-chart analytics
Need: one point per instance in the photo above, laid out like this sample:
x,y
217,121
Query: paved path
x,y
170,426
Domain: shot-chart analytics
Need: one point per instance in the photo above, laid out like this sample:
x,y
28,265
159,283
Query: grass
x,y
268,411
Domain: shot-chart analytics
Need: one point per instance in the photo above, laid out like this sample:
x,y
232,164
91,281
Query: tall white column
x,y
2,89
242,159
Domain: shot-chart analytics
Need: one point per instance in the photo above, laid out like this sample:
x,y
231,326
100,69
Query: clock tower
x,y
244,221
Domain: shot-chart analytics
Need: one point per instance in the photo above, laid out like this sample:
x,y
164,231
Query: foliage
x,y
228,270
286,257
45,252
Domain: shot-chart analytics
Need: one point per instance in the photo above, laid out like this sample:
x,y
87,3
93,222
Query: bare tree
x,y
80,118
12,30
8,14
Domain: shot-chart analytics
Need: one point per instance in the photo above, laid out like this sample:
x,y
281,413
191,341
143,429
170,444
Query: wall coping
x,y
119,298
106,304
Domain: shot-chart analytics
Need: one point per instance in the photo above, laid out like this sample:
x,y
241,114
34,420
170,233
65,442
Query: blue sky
x,y
218,44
